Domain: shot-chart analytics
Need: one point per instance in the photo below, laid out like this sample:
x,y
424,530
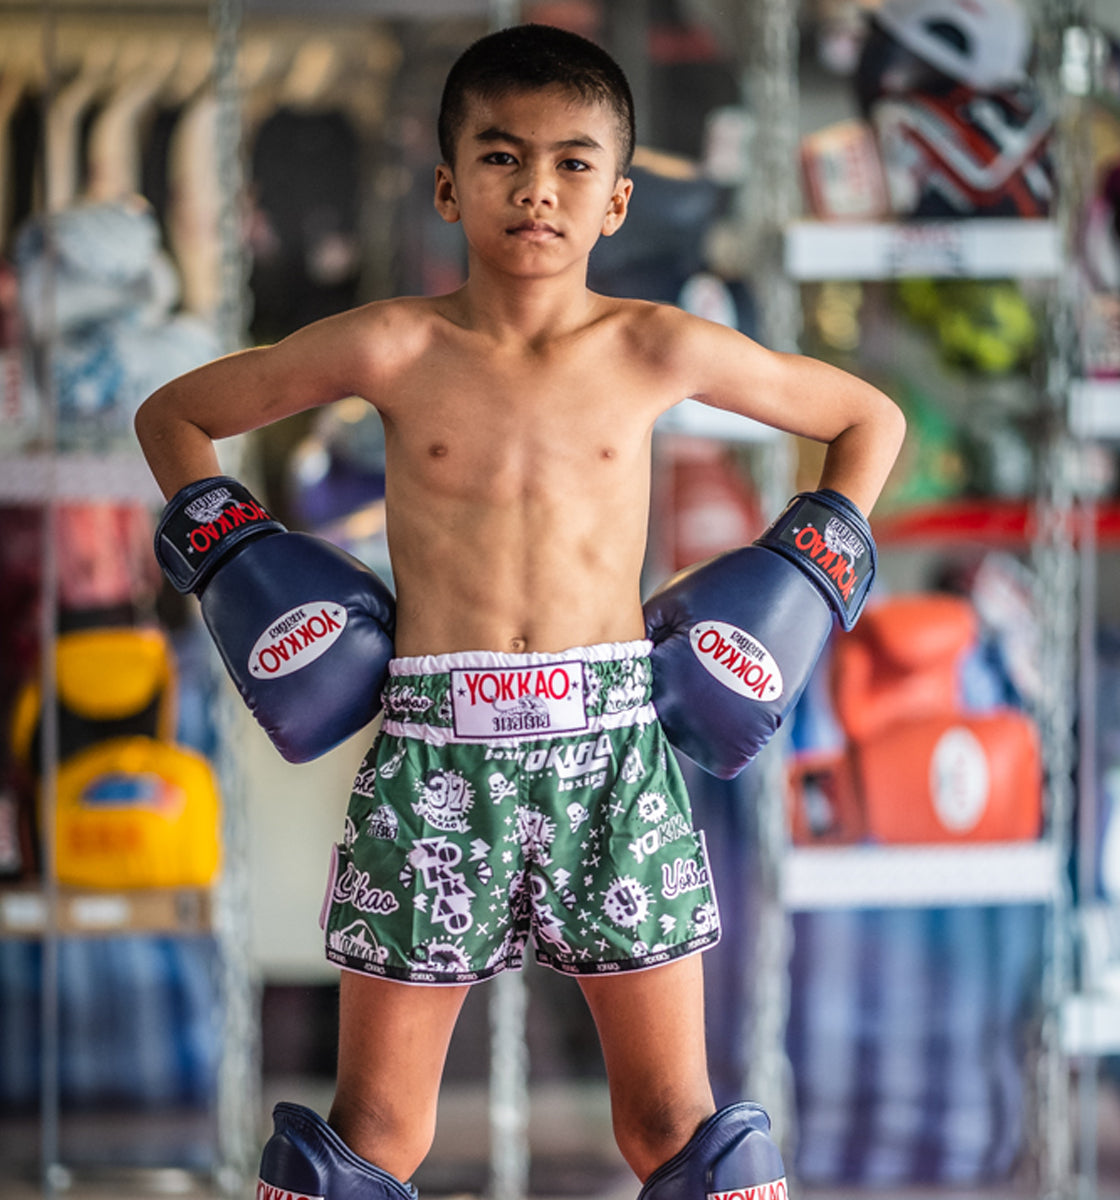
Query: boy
x,y
518,415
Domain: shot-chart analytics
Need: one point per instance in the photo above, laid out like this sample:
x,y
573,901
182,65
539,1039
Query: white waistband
x,y
442,664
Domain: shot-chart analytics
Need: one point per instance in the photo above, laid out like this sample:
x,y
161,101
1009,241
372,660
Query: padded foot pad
x,y
306,1160
730,1157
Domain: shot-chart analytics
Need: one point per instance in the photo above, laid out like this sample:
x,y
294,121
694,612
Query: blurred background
x,y
919,881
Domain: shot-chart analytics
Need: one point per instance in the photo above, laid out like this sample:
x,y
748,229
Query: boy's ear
x,y
618,207
446,198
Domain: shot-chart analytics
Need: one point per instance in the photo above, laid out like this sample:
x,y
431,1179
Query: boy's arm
x,y
178,424
305,632
862,426
737,638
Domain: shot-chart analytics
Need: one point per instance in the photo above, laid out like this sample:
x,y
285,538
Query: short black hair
x,y
528,57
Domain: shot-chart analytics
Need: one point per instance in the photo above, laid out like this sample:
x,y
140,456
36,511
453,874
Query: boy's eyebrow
x,y
495,134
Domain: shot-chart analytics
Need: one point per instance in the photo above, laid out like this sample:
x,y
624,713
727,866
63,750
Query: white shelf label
x,y
23,912
981,248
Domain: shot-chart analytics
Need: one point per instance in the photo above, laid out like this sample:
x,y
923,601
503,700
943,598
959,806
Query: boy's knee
x,y
650,1131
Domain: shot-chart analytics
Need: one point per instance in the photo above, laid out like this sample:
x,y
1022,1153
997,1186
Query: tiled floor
x,y
573,1154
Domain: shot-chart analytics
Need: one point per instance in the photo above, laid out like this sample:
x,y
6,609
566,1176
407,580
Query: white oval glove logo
x,y
738,660
297,638
959,779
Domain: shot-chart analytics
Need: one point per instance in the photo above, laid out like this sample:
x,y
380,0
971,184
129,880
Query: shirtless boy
x,y
518,415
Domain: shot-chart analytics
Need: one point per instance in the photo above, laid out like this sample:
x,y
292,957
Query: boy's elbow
x,y
146,417
897,424
888,419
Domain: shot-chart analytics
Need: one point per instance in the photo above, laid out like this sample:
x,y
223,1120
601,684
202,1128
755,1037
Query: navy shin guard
x,y
306,1160
730,1157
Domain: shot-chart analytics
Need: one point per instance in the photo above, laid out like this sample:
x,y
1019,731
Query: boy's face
x,y
536,180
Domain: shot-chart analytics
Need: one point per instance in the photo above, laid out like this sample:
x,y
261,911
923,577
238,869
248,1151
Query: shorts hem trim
x,y
627,966
600,969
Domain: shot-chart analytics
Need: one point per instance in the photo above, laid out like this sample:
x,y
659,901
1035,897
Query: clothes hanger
x,y
64,118
115,152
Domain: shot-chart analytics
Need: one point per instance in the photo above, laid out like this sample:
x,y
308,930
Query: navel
x,y
517,644
437,450
607,452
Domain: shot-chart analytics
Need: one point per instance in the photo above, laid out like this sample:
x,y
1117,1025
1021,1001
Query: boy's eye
x,y
500,158
574,164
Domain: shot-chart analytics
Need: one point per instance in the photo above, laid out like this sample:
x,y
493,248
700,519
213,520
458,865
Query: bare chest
x,y
504,428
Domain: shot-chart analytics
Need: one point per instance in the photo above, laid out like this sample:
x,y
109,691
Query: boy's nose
x,y
535,188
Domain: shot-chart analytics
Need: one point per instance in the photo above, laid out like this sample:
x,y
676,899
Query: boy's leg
x,y
651,1026
393,1040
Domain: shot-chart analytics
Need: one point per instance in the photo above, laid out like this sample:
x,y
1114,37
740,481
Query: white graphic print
x,y
445,799
705,919
434,859
501,788
383,824
404,700
626,902
508,952
630,689
391,768
536,833
577,814
483,871
547,926
648,843
593,686
624,695
632,768
652,806
681,876
354,887
841,538
207,508
574,764
365,782
357,941
443,956
349,831
567,896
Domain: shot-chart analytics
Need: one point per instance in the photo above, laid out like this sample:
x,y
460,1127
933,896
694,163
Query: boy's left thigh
x,y
651,1025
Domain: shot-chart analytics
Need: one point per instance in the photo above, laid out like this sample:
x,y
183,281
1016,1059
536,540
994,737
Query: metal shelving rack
x,y
46,478
804,879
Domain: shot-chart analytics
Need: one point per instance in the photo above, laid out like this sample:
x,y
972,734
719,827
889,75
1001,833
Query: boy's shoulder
x,y
662,330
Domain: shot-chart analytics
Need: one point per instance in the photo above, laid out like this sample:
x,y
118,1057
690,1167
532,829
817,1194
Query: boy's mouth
x,y
534,229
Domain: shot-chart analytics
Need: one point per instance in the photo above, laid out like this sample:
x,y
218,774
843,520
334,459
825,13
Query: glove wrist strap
x,y
202,524
829,539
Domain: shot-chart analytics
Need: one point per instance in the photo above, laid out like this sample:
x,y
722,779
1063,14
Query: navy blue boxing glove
x,y
736,638
304,629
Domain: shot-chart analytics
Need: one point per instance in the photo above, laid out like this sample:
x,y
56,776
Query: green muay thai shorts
x,y
518,795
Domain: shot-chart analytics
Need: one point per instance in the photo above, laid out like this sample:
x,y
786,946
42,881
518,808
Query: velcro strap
x,y
830,540
202,523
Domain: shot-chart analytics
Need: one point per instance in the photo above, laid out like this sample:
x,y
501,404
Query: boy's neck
x,y
529,310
